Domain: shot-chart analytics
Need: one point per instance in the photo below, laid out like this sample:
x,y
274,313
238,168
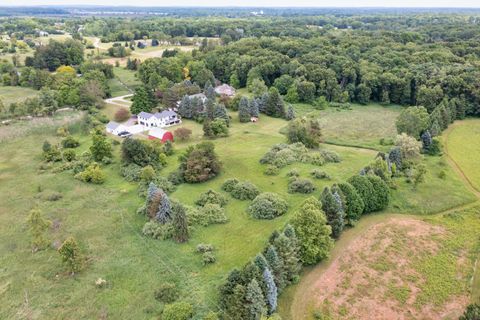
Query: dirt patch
x,y
375,277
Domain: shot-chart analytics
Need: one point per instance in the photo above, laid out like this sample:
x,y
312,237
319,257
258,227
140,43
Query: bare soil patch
x,y
376,278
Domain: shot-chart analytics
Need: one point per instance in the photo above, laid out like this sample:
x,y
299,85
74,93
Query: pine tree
x,y
275,234
262,103
38,226
221,113
353,203
260,262
243,110
275,106
287,251
272,292
290,113
227,289
209,92
180,223
238,308
164,213
332,211
185,109
276,265
253,108
142,101
426,140
255,301
210,109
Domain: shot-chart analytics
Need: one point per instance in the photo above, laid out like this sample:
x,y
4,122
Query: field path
x,y
300,302
120,101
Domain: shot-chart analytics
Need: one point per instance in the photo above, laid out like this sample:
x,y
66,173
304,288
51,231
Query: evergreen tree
x,y
353,203
253,108
227,289
238,308
210,109
180,223
290,113
262,103
164,213
287,251
275,106
272,293
142,101
70,254
426,140
332,211
260,262
313,232
275,234
244,110
365,190
276,265
38,226
220,112
185,109
207,128
255,301
209,92
435,129
101,148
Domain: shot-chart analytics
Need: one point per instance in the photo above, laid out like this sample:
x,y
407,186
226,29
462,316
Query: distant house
x,y
225,90
160,134
202,97
43,33
165,118
115,127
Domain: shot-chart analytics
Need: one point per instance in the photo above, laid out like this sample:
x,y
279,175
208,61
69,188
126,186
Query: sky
x,y
255,3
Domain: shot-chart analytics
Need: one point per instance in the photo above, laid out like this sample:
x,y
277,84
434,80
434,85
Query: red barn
x,y
158,133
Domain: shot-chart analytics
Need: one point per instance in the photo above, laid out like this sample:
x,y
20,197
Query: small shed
x,y
158,133
115,127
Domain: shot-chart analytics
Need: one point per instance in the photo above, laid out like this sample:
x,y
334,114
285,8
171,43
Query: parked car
x,y
124,134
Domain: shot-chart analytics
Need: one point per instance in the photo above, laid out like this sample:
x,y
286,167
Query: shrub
x,y
158,231
267,205
211,214
208,258
177,311
203,247
70,142
70,254
245,191
271,170
161,182
293,173
435,147
306,131
52,196
299,185
69,155
182,134
442,174
175,178
317,159
319,174
381,191
93,174
284,157
131,172
211,197
122,114
229,184
330,156
166,293
199,163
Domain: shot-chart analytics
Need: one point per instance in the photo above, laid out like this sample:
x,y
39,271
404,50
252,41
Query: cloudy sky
x,y
263,3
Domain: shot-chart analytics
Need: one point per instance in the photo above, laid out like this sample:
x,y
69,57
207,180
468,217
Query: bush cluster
x,y
319,174
281,155
93,174
211,197
300,185
229,184
245,191
267,205
271,170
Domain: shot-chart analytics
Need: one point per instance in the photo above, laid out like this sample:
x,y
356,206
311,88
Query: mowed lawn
x,y
16,94
463,143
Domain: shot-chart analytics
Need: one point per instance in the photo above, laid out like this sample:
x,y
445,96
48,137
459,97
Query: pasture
x,y
16,94
104,221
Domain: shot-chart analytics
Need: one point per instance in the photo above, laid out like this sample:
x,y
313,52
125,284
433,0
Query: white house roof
x,y
165,114
145,115
225,89
157,132
112,125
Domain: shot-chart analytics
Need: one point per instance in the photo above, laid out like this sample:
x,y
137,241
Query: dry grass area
x,y
379,275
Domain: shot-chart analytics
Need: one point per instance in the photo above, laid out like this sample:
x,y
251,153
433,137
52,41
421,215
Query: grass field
x,y
104,221
16,94
463,143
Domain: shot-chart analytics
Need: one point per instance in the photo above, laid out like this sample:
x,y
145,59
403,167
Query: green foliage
x,y
267,205
69,155
413,121
142,153
199,163
202,248
70,142
208,258
142,101
180,223
211,213
271,170
472,312
70,255
93,174
333,211
38,226
381,193
167,292
319,174
245,191
101,148
178,311
244,110
306,131
313,233
229,184
158,231
212,197
353,204
275,106
300,185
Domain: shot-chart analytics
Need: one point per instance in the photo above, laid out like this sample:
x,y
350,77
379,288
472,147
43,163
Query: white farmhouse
x,y
165,118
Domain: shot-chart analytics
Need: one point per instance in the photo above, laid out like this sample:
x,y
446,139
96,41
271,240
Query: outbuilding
x,y
115,127
160,134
